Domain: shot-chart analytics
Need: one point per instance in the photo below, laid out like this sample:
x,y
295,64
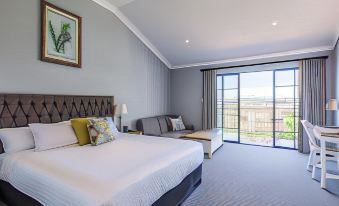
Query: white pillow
x,y
177,124
16,139
50,136
112,126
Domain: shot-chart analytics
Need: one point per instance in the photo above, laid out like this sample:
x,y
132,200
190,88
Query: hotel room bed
x,y
132,170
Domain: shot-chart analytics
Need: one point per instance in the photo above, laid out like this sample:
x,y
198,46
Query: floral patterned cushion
x,y
112,125
177,124
100,131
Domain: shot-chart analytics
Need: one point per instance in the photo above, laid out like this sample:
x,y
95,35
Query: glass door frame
x,y
294,106
222,108
274,107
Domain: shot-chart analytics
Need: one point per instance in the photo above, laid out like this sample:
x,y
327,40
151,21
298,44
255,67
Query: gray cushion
x,y
163,124
151,126
176,134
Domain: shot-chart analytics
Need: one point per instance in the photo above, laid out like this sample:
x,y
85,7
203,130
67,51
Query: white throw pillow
x,y
50,136
16,139
112,126
177,124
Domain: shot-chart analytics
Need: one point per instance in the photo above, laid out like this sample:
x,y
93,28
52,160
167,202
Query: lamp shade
x,y
124,109
120,109
332,105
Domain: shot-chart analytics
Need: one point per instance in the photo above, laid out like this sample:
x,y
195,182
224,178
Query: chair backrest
x,y
309,131
317,131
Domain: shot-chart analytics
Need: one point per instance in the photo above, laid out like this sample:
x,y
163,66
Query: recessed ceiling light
x,y
274,23
187,41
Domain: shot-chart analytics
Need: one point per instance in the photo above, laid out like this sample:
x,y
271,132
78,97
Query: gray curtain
x,y
209,117
312,96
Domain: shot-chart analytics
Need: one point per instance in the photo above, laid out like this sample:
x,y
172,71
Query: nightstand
x,y
134,132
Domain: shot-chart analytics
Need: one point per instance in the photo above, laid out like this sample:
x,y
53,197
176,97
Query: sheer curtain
x,y
312,96
209,117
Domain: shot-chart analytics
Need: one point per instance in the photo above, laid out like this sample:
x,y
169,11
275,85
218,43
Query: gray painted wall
x,y
115,62
187,84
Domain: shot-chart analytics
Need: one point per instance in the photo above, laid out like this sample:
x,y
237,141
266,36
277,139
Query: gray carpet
x,y
242,175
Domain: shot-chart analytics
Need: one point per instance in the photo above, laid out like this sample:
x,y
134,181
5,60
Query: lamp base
x,y
120,125
125,129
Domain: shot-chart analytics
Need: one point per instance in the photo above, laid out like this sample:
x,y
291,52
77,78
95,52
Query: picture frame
x,y
60,36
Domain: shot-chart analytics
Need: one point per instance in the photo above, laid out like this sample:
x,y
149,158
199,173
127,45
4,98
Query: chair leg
x,y
310,159
315,162
323,165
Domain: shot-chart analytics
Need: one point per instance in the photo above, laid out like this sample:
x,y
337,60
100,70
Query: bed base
x,y
174,197
180,193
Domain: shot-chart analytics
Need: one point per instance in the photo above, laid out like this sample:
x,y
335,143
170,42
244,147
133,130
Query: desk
x,y
324,174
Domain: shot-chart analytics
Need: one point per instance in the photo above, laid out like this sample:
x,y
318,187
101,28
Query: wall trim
x,y
336,40
264,56
133,28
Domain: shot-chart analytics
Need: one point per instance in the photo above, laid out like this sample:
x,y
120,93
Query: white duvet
x,y
132,170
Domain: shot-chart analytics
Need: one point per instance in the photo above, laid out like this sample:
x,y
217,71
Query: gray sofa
x,y
161,126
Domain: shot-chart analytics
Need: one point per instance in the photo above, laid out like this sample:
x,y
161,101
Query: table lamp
x,y
332,105
120,110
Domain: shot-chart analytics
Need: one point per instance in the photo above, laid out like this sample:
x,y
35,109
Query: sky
x,y
259,84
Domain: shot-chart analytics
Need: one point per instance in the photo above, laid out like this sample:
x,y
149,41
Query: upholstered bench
x,y
211,139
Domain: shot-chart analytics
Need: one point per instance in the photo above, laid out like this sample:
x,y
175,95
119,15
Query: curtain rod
x,y
257,64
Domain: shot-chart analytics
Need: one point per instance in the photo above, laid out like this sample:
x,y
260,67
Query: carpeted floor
x,y
243,175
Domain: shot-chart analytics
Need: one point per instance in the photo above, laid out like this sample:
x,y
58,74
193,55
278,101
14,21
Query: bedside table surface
x,y
134,132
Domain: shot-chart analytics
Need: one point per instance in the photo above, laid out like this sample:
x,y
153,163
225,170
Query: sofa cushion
x,y
150,126
176,134
163,124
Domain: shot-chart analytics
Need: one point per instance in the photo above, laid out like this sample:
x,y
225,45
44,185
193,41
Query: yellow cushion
x,y
80,128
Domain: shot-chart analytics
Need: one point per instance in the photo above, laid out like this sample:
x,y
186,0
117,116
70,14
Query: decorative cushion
x,y
100,131
80,128
16,139
177,124
50,136
112,126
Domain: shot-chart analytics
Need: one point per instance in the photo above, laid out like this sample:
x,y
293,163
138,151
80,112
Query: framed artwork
x,y
60,36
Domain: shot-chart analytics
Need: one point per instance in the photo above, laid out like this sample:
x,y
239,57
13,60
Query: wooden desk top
x,y
334,135
205,134
328,137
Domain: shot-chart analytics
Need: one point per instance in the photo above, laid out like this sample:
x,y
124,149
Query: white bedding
x,y
132,170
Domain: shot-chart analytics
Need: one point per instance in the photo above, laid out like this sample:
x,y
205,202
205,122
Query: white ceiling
x,y
232,29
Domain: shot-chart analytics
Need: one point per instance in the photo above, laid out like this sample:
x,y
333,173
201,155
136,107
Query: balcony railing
x,y
257,120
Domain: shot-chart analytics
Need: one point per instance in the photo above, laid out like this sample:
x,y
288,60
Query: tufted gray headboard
x,y
19,110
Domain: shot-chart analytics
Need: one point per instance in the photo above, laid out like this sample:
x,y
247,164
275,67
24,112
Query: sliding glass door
x,y
256,108
228,106
286,97
259,108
